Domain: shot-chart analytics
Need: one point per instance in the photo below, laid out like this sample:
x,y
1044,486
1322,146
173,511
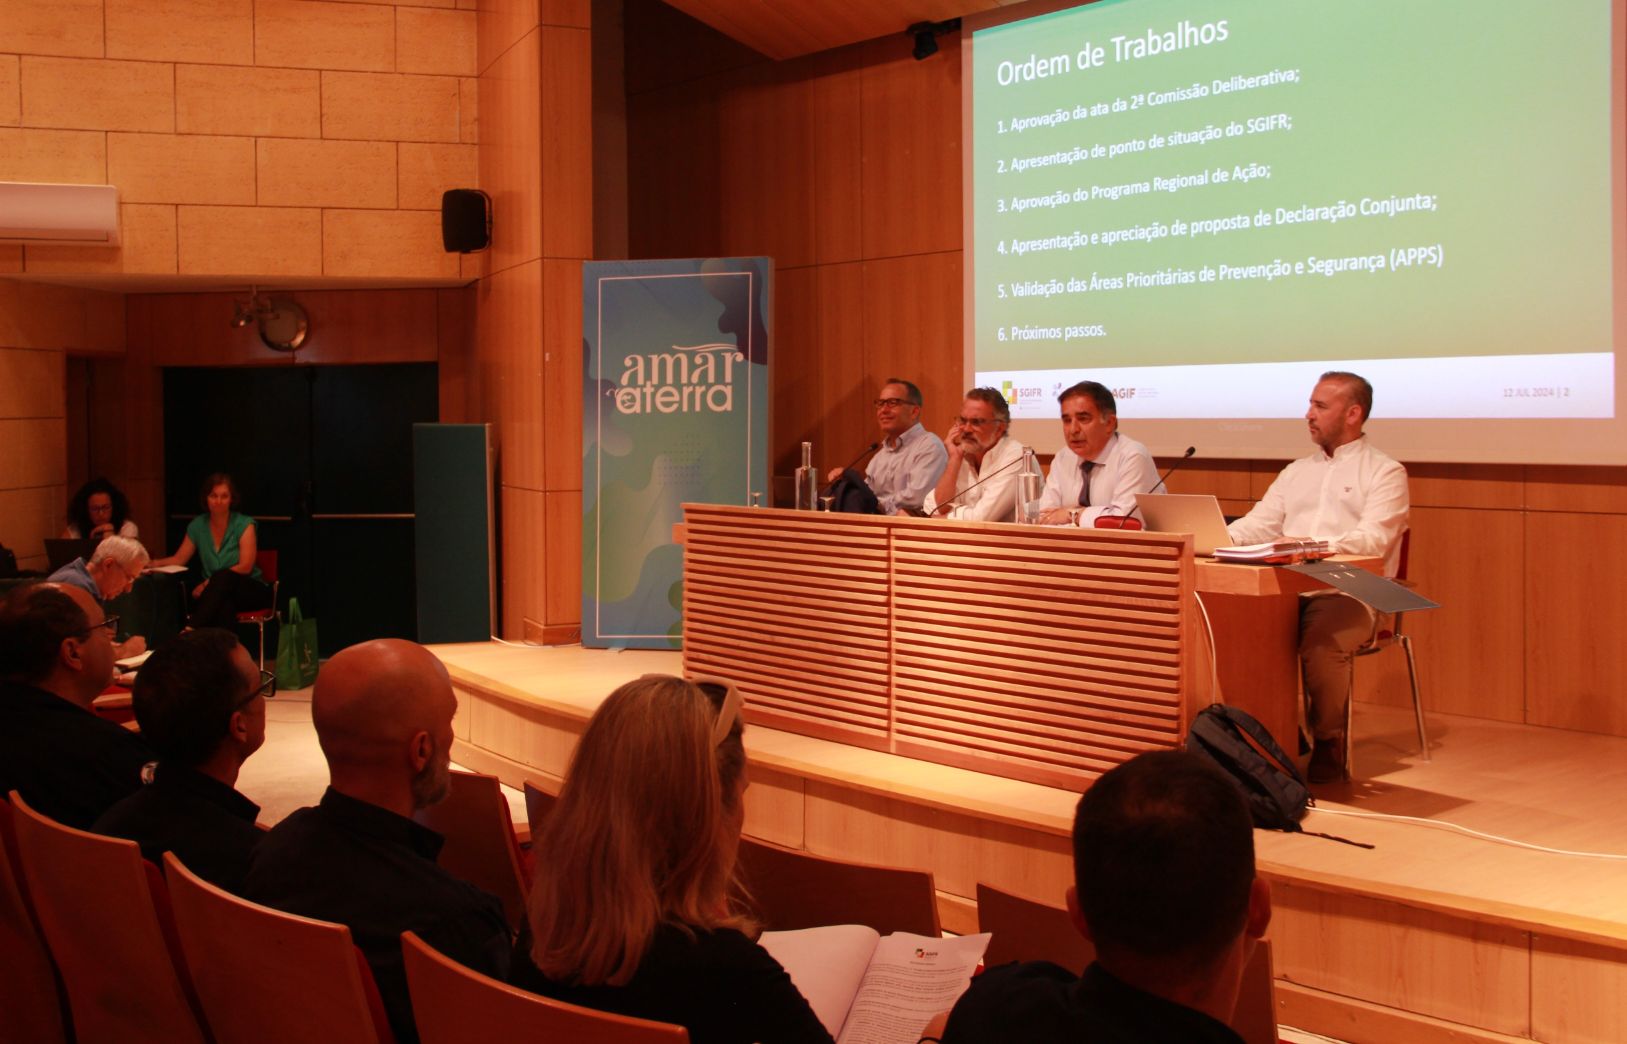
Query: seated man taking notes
x,y
1106,469
1354,497
979,483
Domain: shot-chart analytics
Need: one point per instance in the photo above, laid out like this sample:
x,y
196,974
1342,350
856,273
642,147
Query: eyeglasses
x,y
731,699
266,688
976,422
111,623
894,403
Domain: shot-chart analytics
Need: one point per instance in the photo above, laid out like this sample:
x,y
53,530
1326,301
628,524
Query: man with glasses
x,y
979,482
201,704
111,571
909,460
56,652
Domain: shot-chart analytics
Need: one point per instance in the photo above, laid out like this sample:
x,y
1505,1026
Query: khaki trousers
x,y
1331,628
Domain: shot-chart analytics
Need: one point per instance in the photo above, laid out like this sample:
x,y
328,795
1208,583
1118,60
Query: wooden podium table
x,y
1042,654
1038,653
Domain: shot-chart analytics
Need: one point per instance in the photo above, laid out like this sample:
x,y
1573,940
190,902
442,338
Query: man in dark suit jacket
x,y
201,705
383,714
56,655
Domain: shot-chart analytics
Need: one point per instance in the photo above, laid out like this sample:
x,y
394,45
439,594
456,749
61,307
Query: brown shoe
x,y
1327,761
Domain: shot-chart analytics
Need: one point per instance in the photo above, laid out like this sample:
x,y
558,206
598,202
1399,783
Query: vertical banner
x,y
675,410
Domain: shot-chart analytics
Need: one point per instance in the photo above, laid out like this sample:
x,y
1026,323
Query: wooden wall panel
x,y
1575,623
911,314
763,172
499,25
911,195
673,138
561,344
511,152
1578,992
960,850
39,324
524,536
1471,650
562,551
567,143
1415,960
1576,489
509,328
835,90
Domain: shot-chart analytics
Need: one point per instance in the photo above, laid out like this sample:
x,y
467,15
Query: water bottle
x,y
807,481
1030,486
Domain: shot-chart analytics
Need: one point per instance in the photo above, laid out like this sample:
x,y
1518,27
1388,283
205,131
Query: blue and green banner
x,y
675,410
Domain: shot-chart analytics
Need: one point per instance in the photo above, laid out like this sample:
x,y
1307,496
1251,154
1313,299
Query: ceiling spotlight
x,y
926,36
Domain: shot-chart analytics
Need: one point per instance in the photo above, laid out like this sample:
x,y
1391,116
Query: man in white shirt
x,y
1354,497
1106,468
979,482
910,459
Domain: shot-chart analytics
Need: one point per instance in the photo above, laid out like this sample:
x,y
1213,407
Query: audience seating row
x,y
221,969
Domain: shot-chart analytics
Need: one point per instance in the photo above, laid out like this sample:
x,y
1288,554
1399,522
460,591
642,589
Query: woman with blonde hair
x,y
635,908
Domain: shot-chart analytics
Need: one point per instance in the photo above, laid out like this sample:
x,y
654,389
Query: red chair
x,y
31,1000
105,914
480,844
266,561
791,889
266,975
455,1005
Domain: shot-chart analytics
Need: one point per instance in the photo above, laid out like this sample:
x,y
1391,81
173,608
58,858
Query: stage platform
x,y
1430,935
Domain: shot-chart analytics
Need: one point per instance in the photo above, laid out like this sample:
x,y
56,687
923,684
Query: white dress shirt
x,y
901,475
996,499
1356,500
1123,468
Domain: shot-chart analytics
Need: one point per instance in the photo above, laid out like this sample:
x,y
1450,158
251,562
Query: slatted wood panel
x,y
1057,651
1039,654
795,613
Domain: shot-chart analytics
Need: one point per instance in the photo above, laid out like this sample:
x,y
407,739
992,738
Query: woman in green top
x,y
225,542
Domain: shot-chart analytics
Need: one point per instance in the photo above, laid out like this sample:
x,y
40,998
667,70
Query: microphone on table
x,y
862,454
1184,458
1009,464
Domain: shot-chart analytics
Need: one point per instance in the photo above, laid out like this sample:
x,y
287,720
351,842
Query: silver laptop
x,y
1198,514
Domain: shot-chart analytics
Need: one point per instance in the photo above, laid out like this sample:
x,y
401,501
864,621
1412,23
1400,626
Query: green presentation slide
x,y
1172,183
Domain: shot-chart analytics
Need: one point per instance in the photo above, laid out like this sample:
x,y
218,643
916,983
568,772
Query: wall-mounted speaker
x,y
465,220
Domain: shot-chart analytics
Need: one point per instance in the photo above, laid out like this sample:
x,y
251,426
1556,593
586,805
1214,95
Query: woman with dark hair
x,y
635,908
99,509
225,542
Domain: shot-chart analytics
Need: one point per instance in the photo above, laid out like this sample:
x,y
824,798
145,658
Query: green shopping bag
x,y
296,649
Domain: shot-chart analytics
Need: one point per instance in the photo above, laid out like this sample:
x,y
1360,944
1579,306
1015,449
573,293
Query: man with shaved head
x,y
56,656
383,715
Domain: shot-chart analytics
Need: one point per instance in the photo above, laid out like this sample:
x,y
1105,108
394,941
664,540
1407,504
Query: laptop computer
x,y
1198,514
59,552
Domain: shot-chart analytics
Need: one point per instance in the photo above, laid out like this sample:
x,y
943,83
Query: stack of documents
x,y
1276,552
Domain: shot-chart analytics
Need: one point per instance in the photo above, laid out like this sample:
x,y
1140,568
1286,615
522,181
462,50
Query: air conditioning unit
x,y
77,215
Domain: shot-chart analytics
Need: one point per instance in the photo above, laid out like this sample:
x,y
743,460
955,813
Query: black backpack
x,y
1242,748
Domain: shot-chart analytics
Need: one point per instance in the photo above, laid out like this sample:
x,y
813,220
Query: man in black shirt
x,y
1164,887
56,657
383,714
201,705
